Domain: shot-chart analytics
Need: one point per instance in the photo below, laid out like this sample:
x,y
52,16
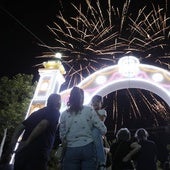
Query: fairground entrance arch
x,y
128,73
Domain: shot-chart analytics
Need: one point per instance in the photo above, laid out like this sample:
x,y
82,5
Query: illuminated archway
x,y
128,73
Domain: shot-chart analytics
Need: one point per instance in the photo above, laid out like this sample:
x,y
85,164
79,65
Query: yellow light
x,y
54,65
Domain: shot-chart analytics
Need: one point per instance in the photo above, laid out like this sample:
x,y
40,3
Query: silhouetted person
x,y
38,138
122,150
146,158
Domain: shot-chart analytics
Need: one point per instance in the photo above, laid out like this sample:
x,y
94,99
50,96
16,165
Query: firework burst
x,y
93,35
96,35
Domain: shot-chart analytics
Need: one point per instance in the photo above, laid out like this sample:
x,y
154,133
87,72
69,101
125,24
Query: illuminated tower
x,y
50,81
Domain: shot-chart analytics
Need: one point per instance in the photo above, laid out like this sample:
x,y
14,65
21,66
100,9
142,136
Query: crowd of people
x,y
82,128
139,154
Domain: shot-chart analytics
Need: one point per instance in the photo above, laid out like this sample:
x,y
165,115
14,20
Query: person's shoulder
x,y
41,110
64,113
87,110
35,114
86,107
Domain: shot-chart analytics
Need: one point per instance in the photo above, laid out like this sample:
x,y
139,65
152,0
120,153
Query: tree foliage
x,y
15,96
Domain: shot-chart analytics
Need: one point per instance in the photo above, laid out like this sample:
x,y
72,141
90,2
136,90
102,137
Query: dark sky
x,y
23,25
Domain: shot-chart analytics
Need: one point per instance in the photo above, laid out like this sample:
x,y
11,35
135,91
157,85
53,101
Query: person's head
x,y
76,99
141,134
97,102
54,100
123,135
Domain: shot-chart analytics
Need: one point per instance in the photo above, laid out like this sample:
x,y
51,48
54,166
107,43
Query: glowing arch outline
x,y
115,81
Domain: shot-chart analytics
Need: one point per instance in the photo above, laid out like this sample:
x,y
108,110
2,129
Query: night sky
x,y
23,24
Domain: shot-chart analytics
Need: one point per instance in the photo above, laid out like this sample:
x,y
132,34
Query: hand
x,y
134,145
126,158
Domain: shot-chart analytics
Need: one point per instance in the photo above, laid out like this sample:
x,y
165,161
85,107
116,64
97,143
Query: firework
x,y
93,35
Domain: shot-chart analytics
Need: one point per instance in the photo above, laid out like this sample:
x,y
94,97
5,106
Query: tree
x,y
15,96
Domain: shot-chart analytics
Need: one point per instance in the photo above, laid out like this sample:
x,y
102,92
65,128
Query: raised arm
x,y
135,148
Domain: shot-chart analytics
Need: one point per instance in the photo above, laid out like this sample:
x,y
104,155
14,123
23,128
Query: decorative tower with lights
x,y
50,81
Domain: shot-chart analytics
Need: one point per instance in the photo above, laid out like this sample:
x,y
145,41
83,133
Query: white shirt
x,y
79,126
